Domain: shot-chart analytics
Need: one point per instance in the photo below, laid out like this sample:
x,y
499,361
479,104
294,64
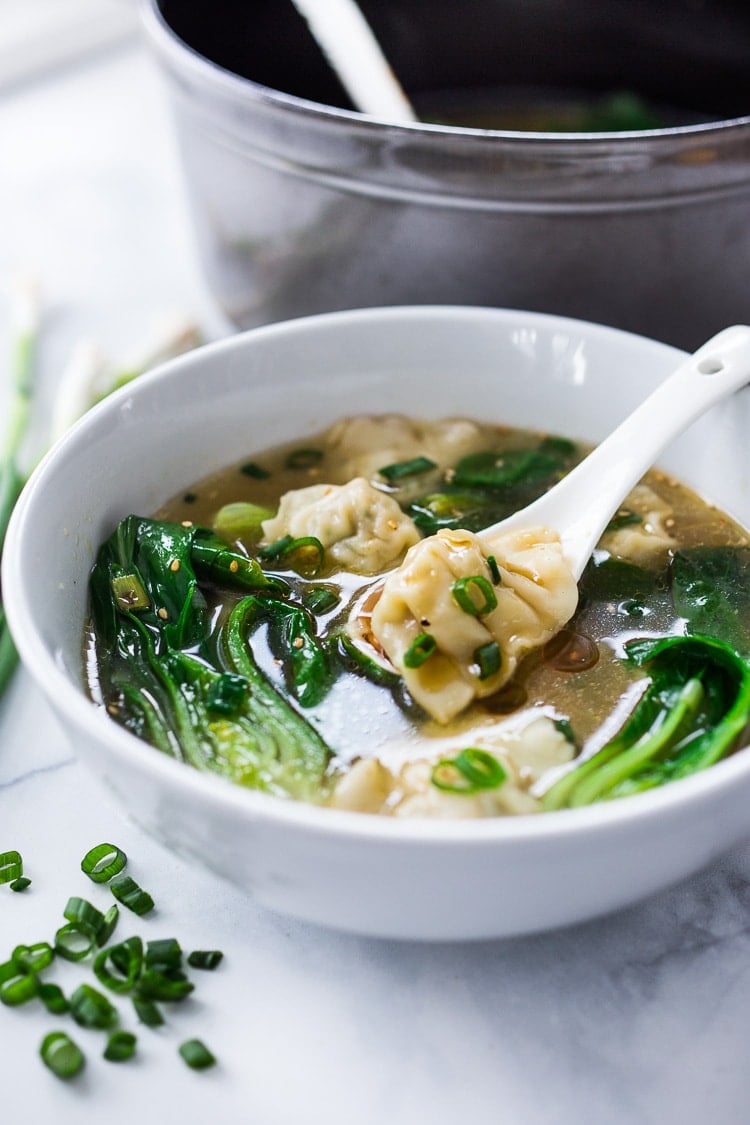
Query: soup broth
x,y
364,493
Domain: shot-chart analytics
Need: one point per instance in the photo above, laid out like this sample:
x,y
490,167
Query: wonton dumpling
x,y
364,444
361,528
536,595
524,752
640,542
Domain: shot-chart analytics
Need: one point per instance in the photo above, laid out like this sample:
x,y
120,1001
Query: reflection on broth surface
x,y
236,629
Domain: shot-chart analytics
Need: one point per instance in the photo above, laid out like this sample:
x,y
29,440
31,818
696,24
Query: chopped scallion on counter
x,y
11,866
74,941
90,1008
63,1057
126,890
120,1046
103,861
196,1054
204,959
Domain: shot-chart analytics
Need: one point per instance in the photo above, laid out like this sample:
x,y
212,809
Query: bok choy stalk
x,y
691,714
194,692
12,475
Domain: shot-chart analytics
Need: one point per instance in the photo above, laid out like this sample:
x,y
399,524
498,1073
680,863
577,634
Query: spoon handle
x,y
350,46
582,504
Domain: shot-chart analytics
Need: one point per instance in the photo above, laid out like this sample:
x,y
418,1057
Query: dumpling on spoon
x,y
460,612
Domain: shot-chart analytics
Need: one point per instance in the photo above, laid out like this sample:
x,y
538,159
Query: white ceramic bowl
x,y
395,878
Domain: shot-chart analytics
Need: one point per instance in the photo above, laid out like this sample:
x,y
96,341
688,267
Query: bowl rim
x,y
182,54
82,713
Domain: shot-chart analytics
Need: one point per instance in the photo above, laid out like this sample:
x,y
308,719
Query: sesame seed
x,y
163,613
298,642
234,566
187,523
175,565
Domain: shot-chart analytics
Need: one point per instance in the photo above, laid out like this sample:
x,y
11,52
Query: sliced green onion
x,y
34,958
356,660
227,694
420,650
81,912
204,958
118,967
20,884
120,1046
412,468
156,985
11,866
63,1057
494,569
319,599
91,1008
303,546
129,593
196,1054
489,659
17,985
252,469
53,998
74,941
165,954
102,862
241,520
127,891
303,458
471,771
147,1012
108,926
474,595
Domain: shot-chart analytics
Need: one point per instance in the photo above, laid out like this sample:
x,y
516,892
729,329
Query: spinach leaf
x,y
711,590
485,487
692,713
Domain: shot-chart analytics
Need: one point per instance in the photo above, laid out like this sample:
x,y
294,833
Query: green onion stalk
x,y
85,381
12,475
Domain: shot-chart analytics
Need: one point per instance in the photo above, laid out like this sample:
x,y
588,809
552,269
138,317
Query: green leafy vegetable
x,y
711,590
292,639
195,693
485,487
693,711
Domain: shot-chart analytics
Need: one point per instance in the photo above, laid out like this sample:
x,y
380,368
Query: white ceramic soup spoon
x,y
582,504
347,41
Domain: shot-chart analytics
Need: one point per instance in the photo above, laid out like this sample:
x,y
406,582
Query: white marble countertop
x,y
637,1018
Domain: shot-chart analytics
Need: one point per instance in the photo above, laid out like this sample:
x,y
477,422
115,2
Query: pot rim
x,y
185,57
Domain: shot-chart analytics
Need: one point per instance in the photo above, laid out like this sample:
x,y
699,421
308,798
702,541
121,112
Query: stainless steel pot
x,y
303,205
